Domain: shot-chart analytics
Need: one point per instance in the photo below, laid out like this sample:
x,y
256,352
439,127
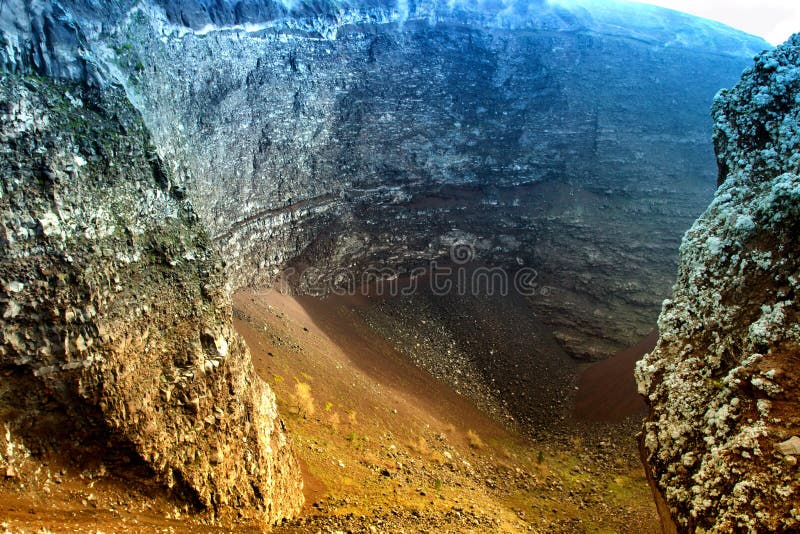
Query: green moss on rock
x,y
115,326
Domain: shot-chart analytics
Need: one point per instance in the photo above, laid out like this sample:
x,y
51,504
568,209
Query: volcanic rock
x,y
722,383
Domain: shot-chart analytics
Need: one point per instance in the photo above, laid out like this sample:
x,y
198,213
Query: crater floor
x,y
385,444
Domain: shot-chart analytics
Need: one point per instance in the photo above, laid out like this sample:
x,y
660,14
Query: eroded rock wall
x,y
116,337
723,382
562,144
343,135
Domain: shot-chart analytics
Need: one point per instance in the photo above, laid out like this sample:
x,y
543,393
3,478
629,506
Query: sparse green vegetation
x,y
303,398
387,458
474,440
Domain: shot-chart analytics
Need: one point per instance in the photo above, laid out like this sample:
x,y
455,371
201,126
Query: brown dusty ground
x,y
384,446
55,497
390,446
607,389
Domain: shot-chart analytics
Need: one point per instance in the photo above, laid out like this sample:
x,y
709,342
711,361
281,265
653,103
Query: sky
x,y
774,20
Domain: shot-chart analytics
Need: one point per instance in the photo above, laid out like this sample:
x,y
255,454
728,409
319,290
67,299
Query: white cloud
x,y
774,20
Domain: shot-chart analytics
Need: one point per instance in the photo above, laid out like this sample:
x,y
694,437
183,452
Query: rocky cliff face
x,y
721,440
116,341
367,133
566,137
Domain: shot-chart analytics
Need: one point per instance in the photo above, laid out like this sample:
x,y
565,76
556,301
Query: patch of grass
x,y
475,440
333,421
420,447
123,48
355,440
303,398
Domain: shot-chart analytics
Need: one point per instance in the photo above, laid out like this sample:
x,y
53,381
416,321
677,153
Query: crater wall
x,y
566,140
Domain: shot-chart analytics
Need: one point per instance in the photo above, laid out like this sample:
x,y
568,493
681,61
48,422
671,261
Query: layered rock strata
x,y
564,138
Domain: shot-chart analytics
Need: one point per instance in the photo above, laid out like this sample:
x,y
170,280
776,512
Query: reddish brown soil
x,y
375,357
385,380
607,389
47,498
391,463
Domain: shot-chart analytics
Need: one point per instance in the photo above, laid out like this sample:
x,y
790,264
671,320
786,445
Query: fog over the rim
x,y
774,20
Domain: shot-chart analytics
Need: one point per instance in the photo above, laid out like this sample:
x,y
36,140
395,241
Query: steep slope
x,y
116,340
341,135
390,446
721,440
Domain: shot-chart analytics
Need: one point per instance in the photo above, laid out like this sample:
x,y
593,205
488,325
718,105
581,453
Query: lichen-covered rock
x,y
724,381
115,330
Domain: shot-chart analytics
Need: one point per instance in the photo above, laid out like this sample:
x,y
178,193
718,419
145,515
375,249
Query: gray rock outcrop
x,y
722,383
115,333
